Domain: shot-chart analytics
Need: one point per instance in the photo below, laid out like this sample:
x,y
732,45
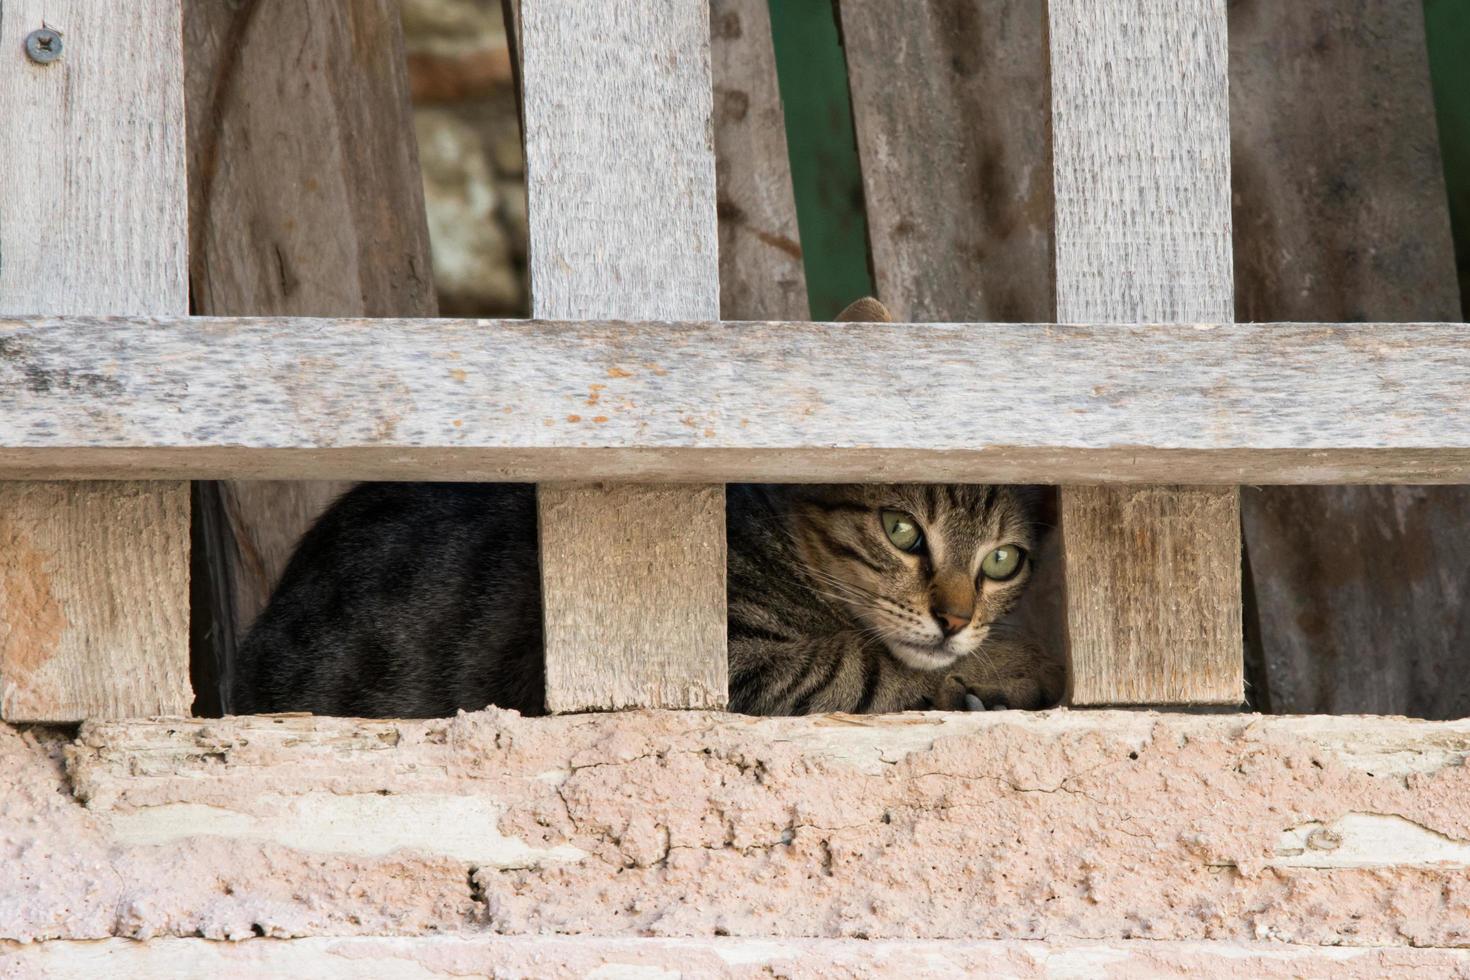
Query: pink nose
x,y
949,623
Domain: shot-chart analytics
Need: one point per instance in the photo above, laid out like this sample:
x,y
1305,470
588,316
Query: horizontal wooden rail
x,y
163,397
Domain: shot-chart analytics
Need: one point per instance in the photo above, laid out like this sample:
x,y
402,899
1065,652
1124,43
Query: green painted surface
x,y
1447,24
824,161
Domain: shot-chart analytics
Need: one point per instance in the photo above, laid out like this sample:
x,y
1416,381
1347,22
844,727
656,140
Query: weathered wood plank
x,y
1140,124
761,274
620,184
93,601
949,102
508,400
1146,622
958,186
305,200
652,639
93,579
620,164
1362,594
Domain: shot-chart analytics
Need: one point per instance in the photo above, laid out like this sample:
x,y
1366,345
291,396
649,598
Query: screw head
x,y
43,46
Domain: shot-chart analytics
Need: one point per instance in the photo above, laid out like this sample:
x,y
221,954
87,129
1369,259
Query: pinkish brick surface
x,y
1059,826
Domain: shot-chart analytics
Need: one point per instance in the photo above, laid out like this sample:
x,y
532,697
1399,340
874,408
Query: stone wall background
x,y
470,148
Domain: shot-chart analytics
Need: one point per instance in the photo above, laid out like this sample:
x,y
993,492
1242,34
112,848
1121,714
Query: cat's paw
x,y
1007,674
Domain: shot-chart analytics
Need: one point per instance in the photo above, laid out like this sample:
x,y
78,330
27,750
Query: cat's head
x,y
928,568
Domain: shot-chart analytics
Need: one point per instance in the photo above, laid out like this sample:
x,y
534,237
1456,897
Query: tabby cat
x,y
414,600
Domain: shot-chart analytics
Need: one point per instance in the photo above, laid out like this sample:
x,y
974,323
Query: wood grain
x,y
958,188
613,605
1140,124
1360,592
305,200
93,601
761,274
1147,625
620,165
620,172
546,400
93,579
950,105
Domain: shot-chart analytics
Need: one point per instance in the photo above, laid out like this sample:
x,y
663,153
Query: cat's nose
x,y
949,623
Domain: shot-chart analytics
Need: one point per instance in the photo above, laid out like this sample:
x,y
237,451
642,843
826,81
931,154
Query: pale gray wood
x,y
503,400
1362,594
761,273
620,184
620,166
649,626
1141,149
305,200
93,579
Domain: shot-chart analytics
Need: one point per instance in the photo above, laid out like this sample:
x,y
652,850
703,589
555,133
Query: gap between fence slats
x,y
306,200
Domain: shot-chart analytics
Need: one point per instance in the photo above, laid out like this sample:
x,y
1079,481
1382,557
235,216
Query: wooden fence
x,y
668,355
635,383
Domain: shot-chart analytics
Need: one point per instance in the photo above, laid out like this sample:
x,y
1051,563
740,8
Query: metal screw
x,y
43,46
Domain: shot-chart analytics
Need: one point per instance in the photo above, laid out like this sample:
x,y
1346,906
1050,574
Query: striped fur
x,y
827,615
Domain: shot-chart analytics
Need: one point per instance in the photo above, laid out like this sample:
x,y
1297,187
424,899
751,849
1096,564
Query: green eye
x,y
1003,563
902,530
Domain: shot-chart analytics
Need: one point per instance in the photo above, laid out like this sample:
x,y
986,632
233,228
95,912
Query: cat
x,y
415,600
880,597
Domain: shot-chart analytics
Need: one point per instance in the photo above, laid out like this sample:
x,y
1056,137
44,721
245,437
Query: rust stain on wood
x,y
32,620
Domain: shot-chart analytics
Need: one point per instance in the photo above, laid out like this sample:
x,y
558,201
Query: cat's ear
x,y
865,310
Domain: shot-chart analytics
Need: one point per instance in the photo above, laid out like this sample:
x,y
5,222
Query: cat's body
x,y
404,600
414,600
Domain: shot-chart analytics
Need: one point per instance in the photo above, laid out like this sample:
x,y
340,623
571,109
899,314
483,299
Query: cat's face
x,y
926,567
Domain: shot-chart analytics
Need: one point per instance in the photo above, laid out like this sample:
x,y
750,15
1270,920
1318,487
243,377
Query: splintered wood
x,y
1140,124
94,616
620,184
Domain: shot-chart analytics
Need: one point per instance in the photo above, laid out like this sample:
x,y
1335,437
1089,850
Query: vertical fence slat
x,y
305,200
1140,131
956,170
761,274
958,185
620,172
94,577
1361,593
